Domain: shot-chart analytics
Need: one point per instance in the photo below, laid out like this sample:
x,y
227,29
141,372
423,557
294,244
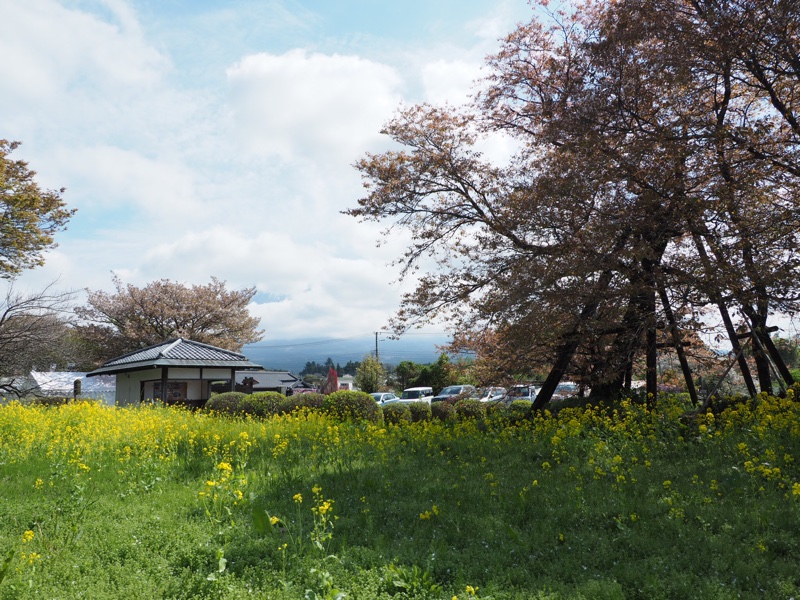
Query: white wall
x,y
129,384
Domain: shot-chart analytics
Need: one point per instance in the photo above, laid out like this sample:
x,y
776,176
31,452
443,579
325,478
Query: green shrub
x,y
397,413
347,405
444,411
519,410
261,404
310,400
470,409
420,411
226,403
497,410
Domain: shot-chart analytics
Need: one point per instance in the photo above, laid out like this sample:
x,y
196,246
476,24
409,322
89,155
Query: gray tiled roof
x,y
175,353
269,379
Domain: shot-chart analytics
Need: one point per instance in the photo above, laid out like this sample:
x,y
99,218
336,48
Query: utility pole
x,y
376,347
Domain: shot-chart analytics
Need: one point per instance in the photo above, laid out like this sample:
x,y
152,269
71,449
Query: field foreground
x,y
102,502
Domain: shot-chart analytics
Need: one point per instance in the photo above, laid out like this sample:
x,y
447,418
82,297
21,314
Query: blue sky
x,y
216,138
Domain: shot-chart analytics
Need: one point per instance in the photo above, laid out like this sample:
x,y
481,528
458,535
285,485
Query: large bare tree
x,y
655,181
34,334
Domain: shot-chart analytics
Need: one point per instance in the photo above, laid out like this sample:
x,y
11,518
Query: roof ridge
x,y
163,353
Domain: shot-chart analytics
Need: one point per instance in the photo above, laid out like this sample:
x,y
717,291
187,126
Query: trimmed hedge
x,y
226,403
420,411
470,409
348,405
397,413
520,410
309,400
261,404
444,411
497,410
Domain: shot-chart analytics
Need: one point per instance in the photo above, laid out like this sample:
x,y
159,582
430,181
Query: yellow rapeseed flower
x,y
28,536
298,498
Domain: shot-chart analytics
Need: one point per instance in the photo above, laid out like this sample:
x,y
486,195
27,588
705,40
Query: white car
x,y
417,394
493,394
522,392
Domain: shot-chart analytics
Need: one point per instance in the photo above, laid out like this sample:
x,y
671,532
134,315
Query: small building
x,y
347,382
177,371
63,384
264,380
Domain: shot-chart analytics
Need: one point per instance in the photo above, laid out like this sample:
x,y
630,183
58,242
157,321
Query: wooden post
x,y
164,382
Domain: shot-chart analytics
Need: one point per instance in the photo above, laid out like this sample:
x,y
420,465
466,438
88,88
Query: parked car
x,y
416,394
565,389
522,392
384,397
492,394
454,390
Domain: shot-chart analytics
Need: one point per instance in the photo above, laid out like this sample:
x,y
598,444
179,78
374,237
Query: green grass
x,y
162,503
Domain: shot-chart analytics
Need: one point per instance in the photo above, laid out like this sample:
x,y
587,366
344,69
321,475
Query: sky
x,y
201,138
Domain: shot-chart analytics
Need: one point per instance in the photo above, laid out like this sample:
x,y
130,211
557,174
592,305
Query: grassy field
x,y
101,502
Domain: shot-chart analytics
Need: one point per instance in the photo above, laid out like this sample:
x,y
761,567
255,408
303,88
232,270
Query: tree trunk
x,y
676,340
726,319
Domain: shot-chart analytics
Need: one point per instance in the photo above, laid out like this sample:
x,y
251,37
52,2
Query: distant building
x,y
347,382
263,380
62,384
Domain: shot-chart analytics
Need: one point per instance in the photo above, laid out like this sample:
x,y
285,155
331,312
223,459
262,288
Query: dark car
x,y
455,390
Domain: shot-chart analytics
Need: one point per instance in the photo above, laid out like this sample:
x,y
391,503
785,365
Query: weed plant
x,y
591,502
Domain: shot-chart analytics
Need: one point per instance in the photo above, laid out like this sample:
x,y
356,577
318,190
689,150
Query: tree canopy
x,y
370,375
29,215
655,181
134,317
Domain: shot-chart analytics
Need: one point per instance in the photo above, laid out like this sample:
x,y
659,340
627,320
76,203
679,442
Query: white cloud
x,y
301,104
58,52
113,177
183,169
449,81
320,290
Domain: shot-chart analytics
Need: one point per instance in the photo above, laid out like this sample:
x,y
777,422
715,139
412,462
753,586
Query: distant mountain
x,y
292,355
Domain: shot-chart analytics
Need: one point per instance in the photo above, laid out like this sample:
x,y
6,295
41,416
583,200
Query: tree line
x,y
314,368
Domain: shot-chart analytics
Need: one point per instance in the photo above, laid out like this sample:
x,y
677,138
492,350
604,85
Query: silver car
x,y
384,397
454,390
